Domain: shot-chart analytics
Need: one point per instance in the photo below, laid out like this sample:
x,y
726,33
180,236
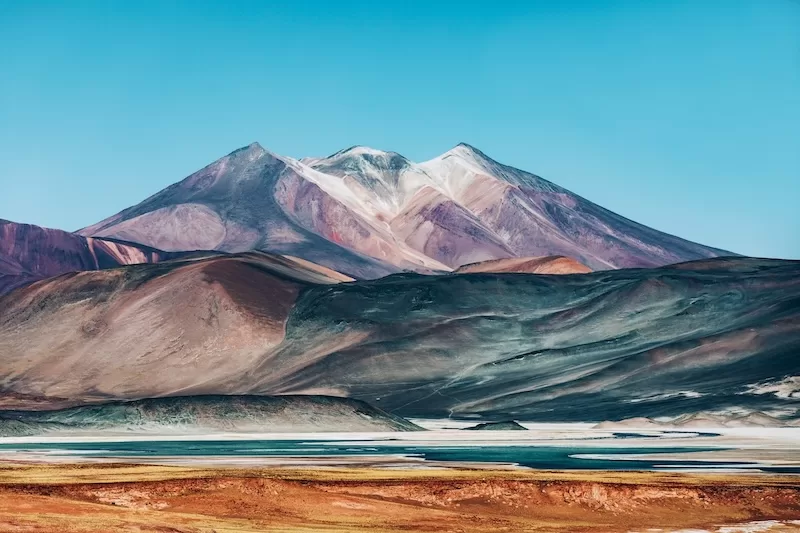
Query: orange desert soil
x,y
116,497
554,264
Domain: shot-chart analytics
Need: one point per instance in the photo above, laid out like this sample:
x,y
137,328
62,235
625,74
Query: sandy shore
x,y
115,497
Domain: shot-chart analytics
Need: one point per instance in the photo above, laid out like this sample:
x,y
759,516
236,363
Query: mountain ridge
x,y
369,213
203,414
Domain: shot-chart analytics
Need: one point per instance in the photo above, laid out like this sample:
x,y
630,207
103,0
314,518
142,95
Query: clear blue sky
x,y
683,115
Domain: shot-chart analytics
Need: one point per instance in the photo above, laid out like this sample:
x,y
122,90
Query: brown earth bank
x,y
91,498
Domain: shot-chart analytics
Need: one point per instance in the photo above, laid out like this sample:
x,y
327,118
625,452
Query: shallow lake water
x,y
547,447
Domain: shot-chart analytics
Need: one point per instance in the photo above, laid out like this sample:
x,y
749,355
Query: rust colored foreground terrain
x,y
116,497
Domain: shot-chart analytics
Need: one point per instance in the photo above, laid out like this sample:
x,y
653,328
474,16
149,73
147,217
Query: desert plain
x,y
161,498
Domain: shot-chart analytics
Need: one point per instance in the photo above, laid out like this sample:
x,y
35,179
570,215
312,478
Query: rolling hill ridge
x,y
712,335
29,253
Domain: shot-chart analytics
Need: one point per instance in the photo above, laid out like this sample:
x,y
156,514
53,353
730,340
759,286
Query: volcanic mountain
x,y
255,200
368,213
699,336
29,253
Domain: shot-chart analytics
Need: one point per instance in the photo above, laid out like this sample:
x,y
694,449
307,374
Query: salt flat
x,y
543,446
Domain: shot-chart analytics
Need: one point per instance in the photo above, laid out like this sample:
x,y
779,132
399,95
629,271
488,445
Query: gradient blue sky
x,y
683,115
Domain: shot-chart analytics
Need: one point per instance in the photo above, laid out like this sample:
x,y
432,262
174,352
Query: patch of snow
x,y
455,170
364,150
657,397
787,388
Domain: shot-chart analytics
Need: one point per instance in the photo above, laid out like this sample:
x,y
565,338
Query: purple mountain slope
x,y
254,200
368,213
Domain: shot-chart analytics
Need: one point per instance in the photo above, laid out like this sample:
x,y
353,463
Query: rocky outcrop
x,y
508,425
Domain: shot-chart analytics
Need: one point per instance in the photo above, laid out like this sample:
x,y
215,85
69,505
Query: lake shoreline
x,y
548,447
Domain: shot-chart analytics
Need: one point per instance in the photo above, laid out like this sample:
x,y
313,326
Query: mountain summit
x,y
370,212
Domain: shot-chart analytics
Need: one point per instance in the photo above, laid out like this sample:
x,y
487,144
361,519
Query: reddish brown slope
x,y
554,264
148,330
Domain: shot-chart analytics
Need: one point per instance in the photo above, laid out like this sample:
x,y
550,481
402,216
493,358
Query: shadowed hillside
x,y
262,414
590,346
595,346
